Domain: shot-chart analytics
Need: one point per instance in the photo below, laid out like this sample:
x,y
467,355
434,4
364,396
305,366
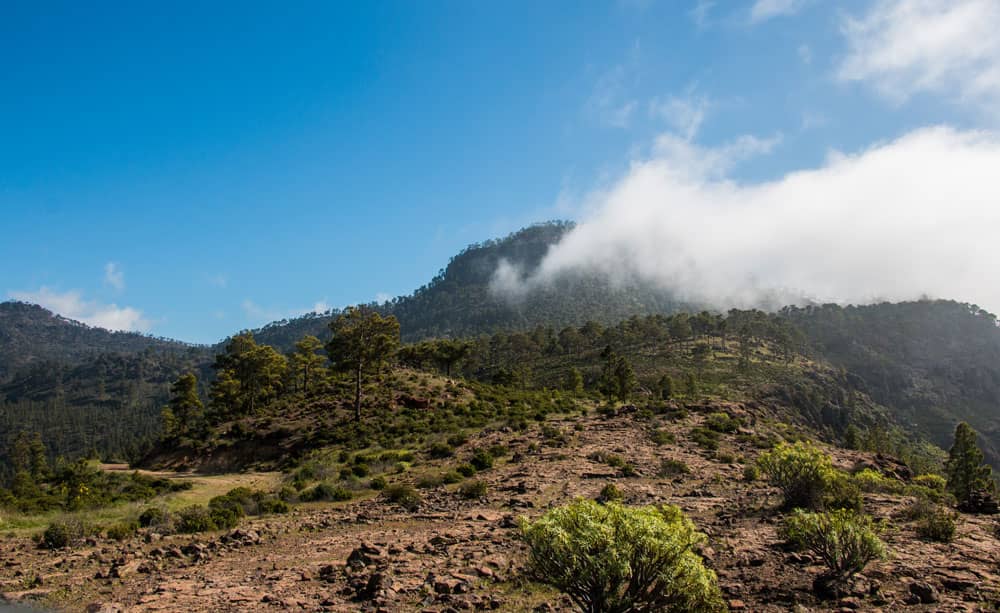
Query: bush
x,y
934,522
482,460
152,516
841,492
615,558
801,471
122,530
610,493
195,518
722,422
671,468
403,495
327,493
935,483
378,483
705,438
466,470
751,472
846,541
440,451
61,534
429,482
457,440
662,437
273,505
870,480
452,476
473,489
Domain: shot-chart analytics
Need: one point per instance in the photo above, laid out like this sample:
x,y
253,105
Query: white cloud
x,y
684,114
945,47
763,10
915,216
320,307
381,297
113,276
610,102
805,54
218,280
71,304
685,158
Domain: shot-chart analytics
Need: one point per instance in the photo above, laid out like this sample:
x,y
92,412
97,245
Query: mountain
x,y
459,300
933,362
929,363
31,334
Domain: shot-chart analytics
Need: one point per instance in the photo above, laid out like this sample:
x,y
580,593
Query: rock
x,y
737,605
851,603
924,592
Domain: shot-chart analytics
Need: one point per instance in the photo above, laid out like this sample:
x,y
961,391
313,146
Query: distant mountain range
x,y
84,388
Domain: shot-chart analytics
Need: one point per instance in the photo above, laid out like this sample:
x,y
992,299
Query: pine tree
x,y
362,341
968,476
306,362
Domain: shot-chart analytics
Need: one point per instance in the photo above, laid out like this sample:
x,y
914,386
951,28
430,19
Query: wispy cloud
x,y
610,102
944,47
71,304
764,10
685,114
217,280
113,276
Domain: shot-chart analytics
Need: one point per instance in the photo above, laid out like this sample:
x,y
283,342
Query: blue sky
x,y
194,170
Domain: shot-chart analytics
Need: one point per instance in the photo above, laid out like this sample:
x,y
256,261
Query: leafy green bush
x,y
801,471
671,468
195,518
452,476
440,451
662,437
466,470
482,460
378,483
705,438
615,558
403,495
870,480
473,489
841,492
273,505
327,493
152,516
457,440
122,530
846,541
610,493
722,423
60,534
751,472
934,522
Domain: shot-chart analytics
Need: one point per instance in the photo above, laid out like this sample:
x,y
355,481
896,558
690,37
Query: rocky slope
x,y
454,554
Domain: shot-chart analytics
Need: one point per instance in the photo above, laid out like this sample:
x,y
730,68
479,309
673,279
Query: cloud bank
x,y
71,304
916,216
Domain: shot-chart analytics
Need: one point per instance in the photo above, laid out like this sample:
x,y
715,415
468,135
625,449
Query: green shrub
x,y
403,495
122,530
662,437
615,558
60,534
288,494
482,460
473,489
936,483
934,522
152,516
671,468
440,451
846,541
428,482
751,472
378,483
457,440
610,493
870,480
195,518
705,438
841,492
466,470
452,476
801,471
324,492
722,422
725,457
273,505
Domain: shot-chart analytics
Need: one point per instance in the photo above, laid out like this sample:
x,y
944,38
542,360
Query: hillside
x,y
459,302
934,363
424,493
30,334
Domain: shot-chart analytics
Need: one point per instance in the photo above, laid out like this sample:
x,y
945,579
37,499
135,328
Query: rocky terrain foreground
x,y
454,554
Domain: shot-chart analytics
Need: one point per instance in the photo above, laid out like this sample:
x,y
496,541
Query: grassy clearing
x,y
205,487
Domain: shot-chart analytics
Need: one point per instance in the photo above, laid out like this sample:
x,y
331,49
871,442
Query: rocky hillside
x,y
454,551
